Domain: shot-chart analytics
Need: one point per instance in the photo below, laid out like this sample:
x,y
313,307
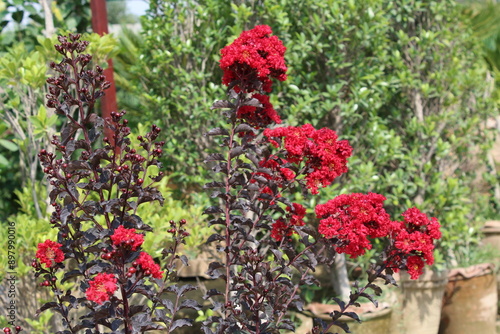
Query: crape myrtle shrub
x,y
401,80
267,248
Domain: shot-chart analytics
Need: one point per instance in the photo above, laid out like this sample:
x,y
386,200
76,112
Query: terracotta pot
x,y
422,301
374,320
470,301
491,231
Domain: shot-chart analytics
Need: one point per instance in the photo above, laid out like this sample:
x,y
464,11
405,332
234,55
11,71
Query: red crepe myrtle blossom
x,y
281,228
101,288
127,237
351,219
253,57
49,252
259,116
413,242
281,175
325,156
148,265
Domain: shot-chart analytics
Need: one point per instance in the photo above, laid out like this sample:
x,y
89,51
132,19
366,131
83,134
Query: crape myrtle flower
x,y
350,219
324,155
281,228
259,116
101,288
49,252
127,237
252,59
148,265
413,242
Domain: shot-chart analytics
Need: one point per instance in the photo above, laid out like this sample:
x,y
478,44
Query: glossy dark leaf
x,y
222,104
181,323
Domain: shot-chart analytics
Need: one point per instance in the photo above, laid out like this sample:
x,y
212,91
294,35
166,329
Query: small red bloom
x,y
413,242
259,116
252,59
124,235
280,229
351,219
298,213
146,262
101,288
415,266
324,156
50,253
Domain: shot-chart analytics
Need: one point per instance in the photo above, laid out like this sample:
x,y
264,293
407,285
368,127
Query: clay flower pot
x,y
421,301
470,301
491,231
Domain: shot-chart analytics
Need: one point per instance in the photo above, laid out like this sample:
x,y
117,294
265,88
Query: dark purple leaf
x,y
181,323
212,210
217,132
222,104
189,303
244,128
236,151
215,157
46,306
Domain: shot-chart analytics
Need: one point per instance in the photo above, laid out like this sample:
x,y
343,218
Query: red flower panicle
x,y
101,288
413,242
281,228
259,116
325,156
252,59
351,219
127,237
148,265
49,252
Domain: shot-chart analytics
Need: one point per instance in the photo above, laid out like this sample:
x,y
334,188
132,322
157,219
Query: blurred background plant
x,y
404,81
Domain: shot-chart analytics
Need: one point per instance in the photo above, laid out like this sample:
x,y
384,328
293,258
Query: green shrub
x,y
401,80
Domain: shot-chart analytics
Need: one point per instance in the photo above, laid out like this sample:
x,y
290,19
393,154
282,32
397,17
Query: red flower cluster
x,y
127,237
324,155
49,252
281,228
351,219
281,175
101,288
252,59
148,265
259,116
413,242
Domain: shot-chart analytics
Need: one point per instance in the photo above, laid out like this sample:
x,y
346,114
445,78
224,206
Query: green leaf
x,y
9,145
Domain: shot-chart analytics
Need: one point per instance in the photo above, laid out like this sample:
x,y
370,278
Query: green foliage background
x,y
403,81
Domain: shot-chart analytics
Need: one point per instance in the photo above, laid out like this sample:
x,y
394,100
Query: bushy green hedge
x,y
403,81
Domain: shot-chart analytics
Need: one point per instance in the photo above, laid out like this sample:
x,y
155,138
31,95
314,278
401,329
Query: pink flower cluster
x,y
284,227
259,116
351,219
49,253
101,288
414,242
324,155
252,59
127,237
